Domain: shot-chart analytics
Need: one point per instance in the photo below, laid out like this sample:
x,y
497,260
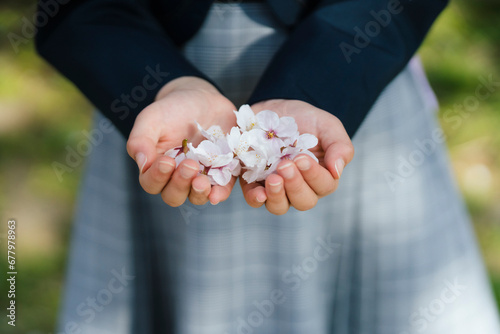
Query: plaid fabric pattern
x,y
391,252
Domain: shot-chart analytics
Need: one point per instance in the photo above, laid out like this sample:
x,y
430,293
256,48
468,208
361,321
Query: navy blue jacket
x,y
339,56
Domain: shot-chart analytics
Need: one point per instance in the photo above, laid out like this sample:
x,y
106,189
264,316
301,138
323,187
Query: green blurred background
x,y
41,113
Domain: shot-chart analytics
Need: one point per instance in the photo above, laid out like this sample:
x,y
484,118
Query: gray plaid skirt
x,y
391,252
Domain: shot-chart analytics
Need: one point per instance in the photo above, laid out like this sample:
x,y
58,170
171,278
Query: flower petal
x,y
268,120
244,143
252,175
216,132
236,170
309,153
250,158
273,147
213,133
191,155
223,146
220,176
233,138
245,118
307,141
257,137
173,152
287,127
222,159
181,157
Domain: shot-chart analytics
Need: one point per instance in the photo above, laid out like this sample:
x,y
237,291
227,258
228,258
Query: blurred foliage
x,y
41,114
464,45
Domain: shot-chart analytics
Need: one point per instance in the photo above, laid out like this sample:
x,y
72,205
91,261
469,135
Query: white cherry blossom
x,y
258,163
272,130
245,118
299,144
238,142
257,145
216,160
222,175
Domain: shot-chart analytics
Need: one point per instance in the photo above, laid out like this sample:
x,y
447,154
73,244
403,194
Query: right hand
x,y
163,125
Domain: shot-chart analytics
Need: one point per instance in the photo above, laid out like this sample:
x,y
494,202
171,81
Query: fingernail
x,y
339,166
214,203
197,189
260,199
275,187
286,170
141,160
188,171
166,167
302,163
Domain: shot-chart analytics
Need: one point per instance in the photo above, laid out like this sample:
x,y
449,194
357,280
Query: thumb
x,y
337,156
141,146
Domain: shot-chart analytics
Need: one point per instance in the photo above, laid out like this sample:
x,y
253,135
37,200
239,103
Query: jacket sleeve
x,y
344,53
115,52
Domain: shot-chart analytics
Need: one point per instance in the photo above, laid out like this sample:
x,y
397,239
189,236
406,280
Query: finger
x,y
301,196
141,144
254,193
179,186
277,202
319,179
337,156
157,176
338,148
200,189
221,193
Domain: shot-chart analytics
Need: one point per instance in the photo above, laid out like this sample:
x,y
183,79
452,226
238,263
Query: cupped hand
x,y
301,182
163,125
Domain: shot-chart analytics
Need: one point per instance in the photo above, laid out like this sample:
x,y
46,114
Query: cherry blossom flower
x,y
272,130
216,160
238,142
258,144
299,145
259,163
245,118
222,175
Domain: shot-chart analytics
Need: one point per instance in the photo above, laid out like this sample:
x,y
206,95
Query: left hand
x,y
300,183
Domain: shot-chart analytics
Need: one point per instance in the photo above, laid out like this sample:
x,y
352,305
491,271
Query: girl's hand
x,y
163,125
300,183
